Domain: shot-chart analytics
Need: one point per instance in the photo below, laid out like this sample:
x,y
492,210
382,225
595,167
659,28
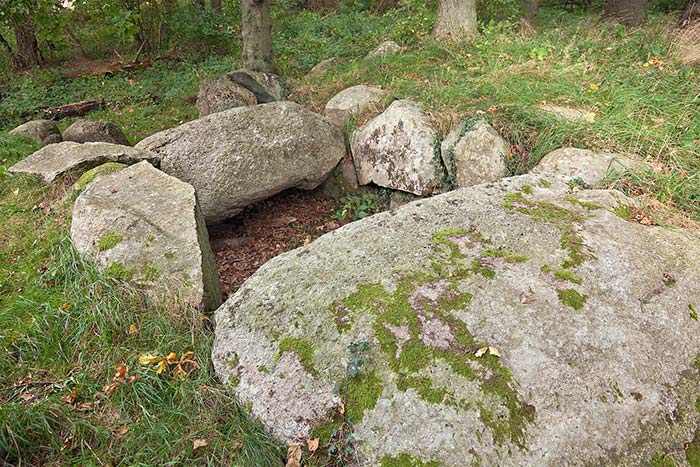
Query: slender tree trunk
x,y
690,14
456,19
216,6
256,29
627,12
10,53
532,9
27,46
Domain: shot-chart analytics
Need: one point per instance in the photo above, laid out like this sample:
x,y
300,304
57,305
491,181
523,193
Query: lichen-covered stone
x,y
222,94
353,101
570,114
384,49
142,225
588,166
57,159
474,350
41,131
397,150
90,131
240,156
474,153
267,87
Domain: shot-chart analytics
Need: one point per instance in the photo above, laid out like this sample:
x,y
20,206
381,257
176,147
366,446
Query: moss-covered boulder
x,y
142,225
507,324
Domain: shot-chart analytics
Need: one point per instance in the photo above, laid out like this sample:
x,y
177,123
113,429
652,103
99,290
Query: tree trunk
x,y
532,9
27,47
256,29
691,14
216,6
627,12
456,19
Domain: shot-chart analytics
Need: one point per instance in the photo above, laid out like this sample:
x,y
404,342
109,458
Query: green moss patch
x,y
303,348
566,221
567,275
109,241
117,270
572,298
407,460
92,174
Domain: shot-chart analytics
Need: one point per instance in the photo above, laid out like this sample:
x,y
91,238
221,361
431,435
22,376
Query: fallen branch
x,y
75,109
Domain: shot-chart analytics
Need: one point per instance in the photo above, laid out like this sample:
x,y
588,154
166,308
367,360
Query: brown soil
x,y
267,229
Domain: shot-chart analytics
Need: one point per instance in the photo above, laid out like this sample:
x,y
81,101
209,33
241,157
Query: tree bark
x,y
256,30
216,6
691,14
10,53
27,46
532,9
627,12
456,19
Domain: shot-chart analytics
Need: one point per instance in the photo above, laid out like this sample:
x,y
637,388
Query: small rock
x,y
41,131
222,94
342,180
587,165
475,153
353,101
244,155
57,159
385,48
322,66
571,114
397,150
267,87
85,131
142,225
331,226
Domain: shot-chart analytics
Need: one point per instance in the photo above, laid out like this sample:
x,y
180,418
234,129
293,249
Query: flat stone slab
x,y
353,101
507,324
142,225
58,159
588,166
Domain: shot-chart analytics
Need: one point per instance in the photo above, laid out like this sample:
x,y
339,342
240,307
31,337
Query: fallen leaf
x,y
148,359
312,444
200,443
121,370
71,398
294,455
120,431
494,351
481,351
133,330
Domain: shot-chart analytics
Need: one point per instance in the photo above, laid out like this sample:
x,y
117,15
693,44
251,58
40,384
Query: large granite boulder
x,y
397,150
145,226
267,87
222,94
505,324
475,153
353,101
95,131
57,159
588,166
41,131
243,155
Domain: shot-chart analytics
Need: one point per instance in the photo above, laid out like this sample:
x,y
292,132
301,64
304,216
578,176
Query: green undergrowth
x,y
65,328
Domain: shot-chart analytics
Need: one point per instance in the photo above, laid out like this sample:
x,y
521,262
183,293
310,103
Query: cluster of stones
x,y
498,324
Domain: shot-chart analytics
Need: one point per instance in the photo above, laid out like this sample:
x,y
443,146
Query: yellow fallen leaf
x,y
162,367
200,443
494,351
481,351
294,455
172,356
312,444
133,330
149,359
